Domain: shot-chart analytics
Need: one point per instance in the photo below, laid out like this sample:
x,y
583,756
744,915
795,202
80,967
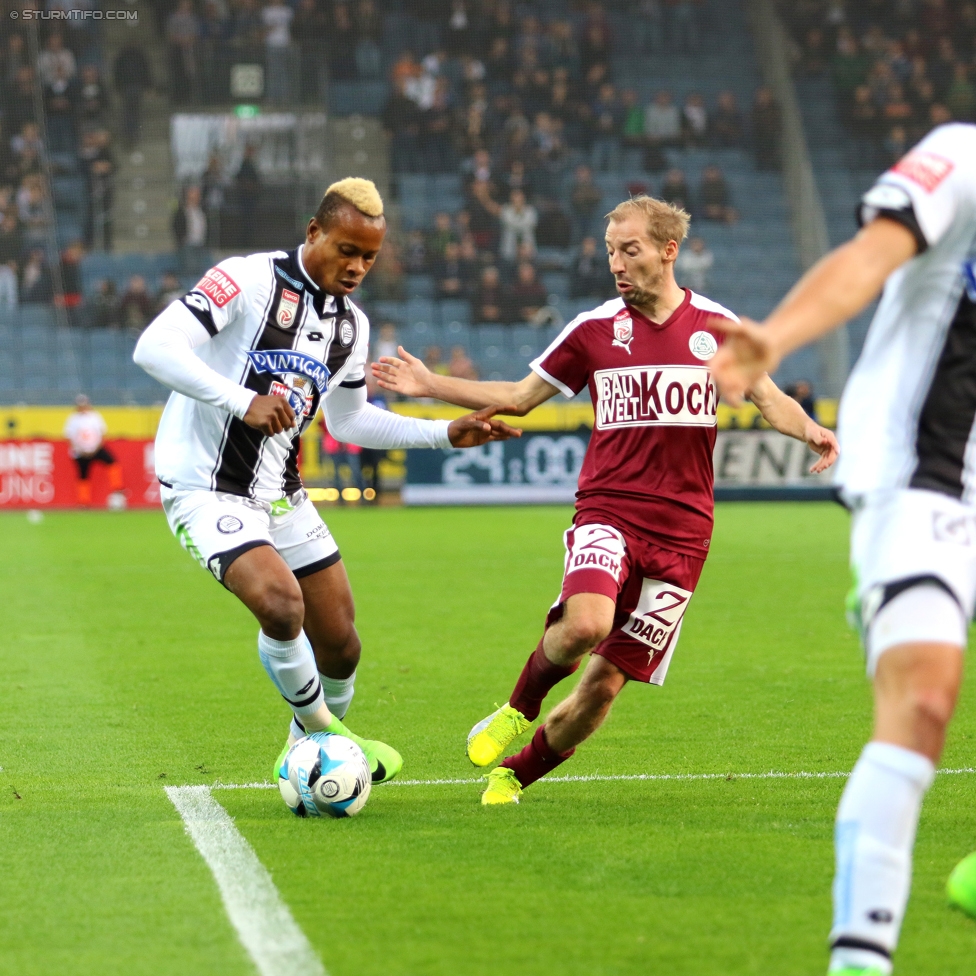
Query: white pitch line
x,y
264,925
673,777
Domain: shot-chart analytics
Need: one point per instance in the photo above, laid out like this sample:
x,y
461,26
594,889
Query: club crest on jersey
x,y
703,345
287,308
623,330
346,333
298,394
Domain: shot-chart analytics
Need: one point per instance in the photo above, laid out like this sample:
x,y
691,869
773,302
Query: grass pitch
x,y
124,667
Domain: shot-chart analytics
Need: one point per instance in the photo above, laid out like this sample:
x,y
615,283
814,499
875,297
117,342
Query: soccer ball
x,y
325,775
116,502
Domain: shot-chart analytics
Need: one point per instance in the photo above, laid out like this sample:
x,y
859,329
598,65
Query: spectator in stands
x,y
183,36
589,277
190,231
648,26
662,121
26,149
386,342
98,163
214,40
484,214
169,290
132,78
247,29
440,235
369,34
33,208
960,98
92,102
13,58
311,28
56,60
606,119
766,129
35,279
727,130
526,297
8,285
460,365
434,361
276,18
684,29
555,228
517,221
248,190
585,198
488,297
213,191
694,262
135,306
342,43
694,120
449,272
675,189
715,197
19,100
896,144
401,118
802,392
103,308
848,66
11,237
59,96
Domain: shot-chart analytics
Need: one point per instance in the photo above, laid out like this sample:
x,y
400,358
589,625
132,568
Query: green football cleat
x,y
856,971
961,886
503,787
281,758
493,735
384,761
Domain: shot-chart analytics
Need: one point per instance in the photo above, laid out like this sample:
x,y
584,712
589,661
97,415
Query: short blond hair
x,y
665,221
354,190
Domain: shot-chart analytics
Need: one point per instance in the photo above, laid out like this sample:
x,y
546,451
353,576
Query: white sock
x,y
338,693
291,666
875,834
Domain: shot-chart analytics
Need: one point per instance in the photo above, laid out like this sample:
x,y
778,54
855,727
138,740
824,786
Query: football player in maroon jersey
x,y
644,507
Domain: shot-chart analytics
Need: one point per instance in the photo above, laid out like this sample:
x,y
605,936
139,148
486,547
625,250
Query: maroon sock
x,y
536,759
538,678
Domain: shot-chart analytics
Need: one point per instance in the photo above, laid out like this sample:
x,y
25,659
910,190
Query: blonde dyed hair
x,y
354,190
665,221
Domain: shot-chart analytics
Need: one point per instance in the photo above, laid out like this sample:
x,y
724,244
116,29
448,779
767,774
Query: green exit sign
x,y
247,111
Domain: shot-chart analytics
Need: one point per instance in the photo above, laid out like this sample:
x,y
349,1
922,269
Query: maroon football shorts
x,y
651,587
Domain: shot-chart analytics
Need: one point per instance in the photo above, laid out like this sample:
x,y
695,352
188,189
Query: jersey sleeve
x,y
565,363
219,296
356,374
927,188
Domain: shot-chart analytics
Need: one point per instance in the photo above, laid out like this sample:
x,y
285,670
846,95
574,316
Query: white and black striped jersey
x,y
908,411
267,328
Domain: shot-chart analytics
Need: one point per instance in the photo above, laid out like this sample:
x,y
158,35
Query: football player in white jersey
x,y
908,474
251,352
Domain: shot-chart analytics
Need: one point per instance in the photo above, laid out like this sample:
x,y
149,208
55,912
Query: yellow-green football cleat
x,y
493,735
503,787
961,886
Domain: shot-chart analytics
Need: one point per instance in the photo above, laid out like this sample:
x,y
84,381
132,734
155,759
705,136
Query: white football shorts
x,y
215,528
918,549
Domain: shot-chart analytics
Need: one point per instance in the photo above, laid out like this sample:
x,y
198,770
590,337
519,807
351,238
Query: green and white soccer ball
x,y
325,775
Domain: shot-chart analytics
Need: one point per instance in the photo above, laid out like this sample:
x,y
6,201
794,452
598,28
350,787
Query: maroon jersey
x,y
648,467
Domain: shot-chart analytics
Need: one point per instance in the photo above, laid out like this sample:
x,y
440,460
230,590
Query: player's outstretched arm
x,y
408,376
787,416
350,418
834,290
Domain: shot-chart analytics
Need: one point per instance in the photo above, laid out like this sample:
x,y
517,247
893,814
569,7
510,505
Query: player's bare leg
x,y
329,624
568,724
262,581
577,717
916,686
586,620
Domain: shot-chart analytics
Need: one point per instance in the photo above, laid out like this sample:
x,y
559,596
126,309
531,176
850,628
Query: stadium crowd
x,y
898,67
